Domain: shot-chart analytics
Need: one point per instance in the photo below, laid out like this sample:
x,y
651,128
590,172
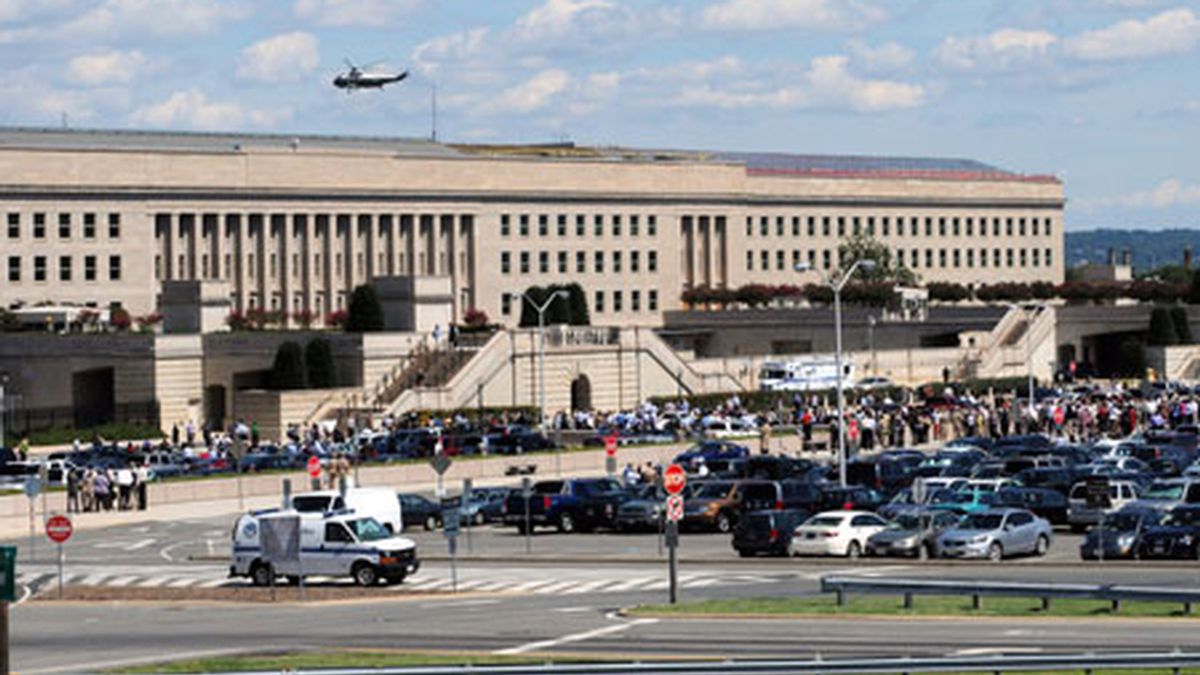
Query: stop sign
x,y
314,467
610,445
674,479
59,529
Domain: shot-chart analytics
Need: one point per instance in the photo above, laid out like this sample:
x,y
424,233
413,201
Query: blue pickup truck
x,y
568,505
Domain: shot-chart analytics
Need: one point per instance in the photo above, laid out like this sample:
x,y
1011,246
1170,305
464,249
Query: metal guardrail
x,y
939,664
979,589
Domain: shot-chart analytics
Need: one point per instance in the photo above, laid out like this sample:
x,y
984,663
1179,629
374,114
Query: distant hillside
x,y
1151,249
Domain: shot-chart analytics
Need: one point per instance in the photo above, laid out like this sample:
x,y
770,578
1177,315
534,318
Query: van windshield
x,y
368,529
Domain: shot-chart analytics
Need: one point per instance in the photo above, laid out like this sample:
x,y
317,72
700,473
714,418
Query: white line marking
x,y
93,580
982,651
631,584
139,545
213,583
118,582
586,587
555,588
530,585
153,582
572,610
699,583
574,637
182,583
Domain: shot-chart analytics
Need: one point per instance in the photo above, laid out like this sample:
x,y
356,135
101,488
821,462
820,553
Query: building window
x,y
841,224
523,227
1021,227
635,258
1033,223
505,226
64,226
812,226
749,226
914,226
812,258
652,261
970,257
795,226
14,226
506,303
1048,258
942,258
598,263
562,262
598,303
749,261
616,262
1024,260
1036,253
996,257
543,225
826,259
764,258
941,227
778,226
580,262
524,262
89,226
544,262
580,224
1009,257
779,260
505,262
970,227
635,301
1047,232
856,226
995,227
825,226
616,226
89,268
928,226
618,301
652,300
929,258
956,256
14,268
795,257
915,255
64,268
652,226
633,226
39,268
39,226
1008,227
562,225
983,257
598,225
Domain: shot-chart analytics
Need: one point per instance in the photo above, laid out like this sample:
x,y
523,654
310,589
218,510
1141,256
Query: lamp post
x,y
3,382
541,312
836,285
1028,351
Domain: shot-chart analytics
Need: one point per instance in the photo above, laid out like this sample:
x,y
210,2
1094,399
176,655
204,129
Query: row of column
x,y
294,261
704,247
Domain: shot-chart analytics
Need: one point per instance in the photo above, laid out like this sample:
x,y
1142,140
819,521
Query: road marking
x,y
555,588
699,583
122,581
93,580
574,637
572,610
213,583
153,582
586,587
530,585
631,584
182,583
983,651
138,545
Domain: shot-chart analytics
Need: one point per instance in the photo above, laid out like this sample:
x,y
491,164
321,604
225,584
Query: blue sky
x,y
1104,93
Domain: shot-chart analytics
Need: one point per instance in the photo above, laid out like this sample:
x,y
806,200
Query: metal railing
x,y
1089,662
978,590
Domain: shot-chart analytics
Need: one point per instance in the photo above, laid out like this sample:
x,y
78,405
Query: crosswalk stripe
x,y
555,588
631,584
530,585
471,585
117,582
182,583
212,583
587,587
94,580
152,582
699,583
495,586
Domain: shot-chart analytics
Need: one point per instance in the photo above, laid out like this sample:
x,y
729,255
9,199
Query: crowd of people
x,y
92,490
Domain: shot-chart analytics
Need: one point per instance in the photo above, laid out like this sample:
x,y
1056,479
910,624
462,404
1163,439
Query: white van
x,y
337,545
378,503
1080,516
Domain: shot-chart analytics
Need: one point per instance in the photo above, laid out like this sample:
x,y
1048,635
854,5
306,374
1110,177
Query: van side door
x,y
335,557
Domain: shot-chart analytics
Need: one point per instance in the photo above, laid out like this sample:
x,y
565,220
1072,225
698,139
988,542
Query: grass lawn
x,y
888,605
333,659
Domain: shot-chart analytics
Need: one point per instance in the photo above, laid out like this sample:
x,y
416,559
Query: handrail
x,y
1087,662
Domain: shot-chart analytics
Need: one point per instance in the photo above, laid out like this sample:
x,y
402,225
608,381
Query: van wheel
x,y
365,574
724,525
430,523
262,574
566,523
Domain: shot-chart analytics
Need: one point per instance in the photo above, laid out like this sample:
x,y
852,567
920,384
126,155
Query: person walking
x,y
72,490
141,476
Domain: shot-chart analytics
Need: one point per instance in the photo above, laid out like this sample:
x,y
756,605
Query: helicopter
x,y
357,78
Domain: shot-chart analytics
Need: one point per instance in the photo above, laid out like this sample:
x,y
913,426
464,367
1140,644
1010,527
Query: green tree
x,y
579,315
1162,328
571,310
1131,358
366,313
533,298
288,371
863,247
318,359
1183,328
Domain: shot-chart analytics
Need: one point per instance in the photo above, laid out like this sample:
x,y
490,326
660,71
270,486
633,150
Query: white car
x,y
843,533
874,383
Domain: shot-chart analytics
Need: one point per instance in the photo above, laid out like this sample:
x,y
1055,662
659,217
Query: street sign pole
x,y
465,502
8,593
60,571
674,480
527,492
672,559
450,523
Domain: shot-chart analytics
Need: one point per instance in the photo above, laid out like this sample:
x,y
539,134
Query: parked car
x,y
843,533
912,535
567,505
1119,535
996,533
849,498
714,505
766,532
964,501
760,495
642,511
1045,502
416,510
1081,515
1175,535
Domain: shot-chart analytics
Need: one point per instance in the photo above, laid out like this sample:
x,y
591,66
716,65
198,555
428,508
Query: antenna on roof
x,y
433,113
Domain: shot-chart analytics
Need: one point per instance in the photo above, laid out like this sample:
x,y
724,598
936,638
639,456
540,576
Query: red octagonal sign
x,y
674,479
59,529
314,467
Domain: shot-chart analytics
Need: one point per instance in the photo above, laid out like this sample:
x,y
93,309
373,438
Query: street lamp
x,y
836,285
541,312
1028,349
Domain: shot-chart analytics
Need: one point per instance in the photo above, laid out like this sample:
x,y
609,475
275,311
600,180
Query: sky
x,y
1104,94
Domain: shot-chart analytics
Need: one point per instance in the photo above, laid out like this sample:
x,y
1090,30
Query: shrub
x,y
1131,357
366,312
120,319
947,292
1183,328
318,360
288,372
1162,328
475,318
304,318
148,322
337,318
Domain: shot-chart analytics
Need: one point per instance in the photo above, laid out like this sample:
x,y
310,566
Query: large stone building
x,y
294,223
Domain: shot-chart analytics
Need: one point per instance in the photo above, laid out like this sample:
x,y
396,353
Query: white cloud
x,y
429,56
1175,31
590,24
113,67
819,15
373,13
535,93
288,57
1002,50
887,57
833,83
1170,192
11,9
192,109
157,17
